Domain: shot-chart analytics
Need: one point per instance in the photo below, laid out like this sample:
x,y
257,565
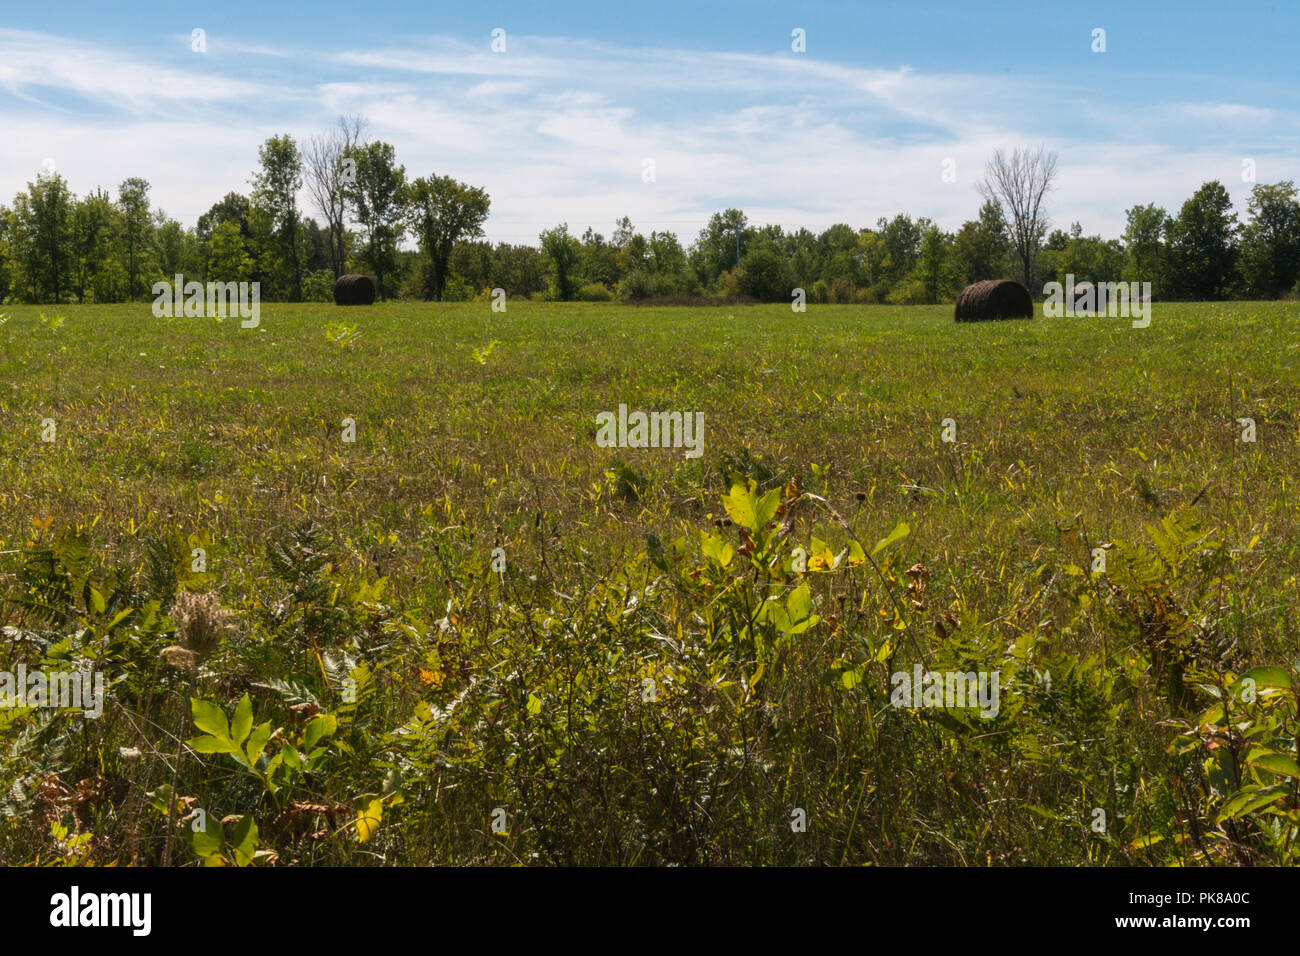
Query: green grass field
x,y
623,692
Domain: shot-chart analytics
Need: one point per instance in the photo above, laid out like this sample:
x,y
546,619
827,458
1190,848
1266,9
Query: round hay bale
x,y
354,290
994,299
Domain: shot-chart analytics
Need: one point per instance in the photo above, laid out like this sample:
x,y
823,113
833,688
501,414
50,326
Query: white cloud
x,y
35,66
557,129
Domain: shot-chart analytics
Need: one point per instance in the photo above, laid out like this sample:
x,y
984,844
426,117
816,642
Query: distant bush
x,y
908,292
318,286
643,284
765,275
595,292
841,291
820,293
729,282
458,290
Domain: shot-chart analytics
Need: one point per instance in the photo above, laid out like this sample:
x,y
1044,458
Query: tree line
x,y
57,247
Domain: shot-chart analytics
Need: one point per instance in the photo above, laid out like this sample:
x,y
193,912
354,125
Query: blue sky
x,y
561,125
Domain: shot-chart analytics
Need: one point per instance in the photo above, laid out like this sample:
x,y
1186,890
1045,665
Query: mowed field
x,y
619,690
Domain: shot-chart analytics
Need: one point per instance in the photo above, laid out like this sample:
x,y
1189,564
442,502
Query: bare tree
x,y
328,179
1017,184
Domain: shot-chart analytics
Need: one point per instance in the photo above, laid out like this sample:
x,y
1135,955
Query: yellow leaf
x,y
369,816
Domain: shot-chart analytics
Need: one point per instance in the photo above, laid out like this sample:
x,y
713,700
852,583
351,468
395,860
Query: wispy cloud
x,y
560,129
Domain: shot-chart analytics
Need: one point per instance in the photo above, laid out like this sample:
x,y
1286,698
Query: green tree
x,y
1270,241
1202,245
6,253
378,198
935,266
135,232
43,232
840,251
901,237
980,248
721,245
520,270
92,233
1087,258
765,273
666,257
599,259
227,254
275,189
1144,249
442,212
176,248
564,252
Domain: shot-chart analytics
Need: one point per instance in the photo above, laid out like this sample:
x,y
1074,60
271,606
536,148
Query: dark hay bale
x,y
994,299
354,290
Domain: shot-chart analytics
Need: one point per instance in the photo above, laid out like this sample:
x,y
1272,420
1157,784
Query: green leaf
x,y
209,717
534,705
272,766
1142,842
901,530
257,742
799,606
243,721
208,841
717,549
1252,798
748,510
773,612
1278,763
1212,716
767,507
244,842
1266,676
213,745
321,726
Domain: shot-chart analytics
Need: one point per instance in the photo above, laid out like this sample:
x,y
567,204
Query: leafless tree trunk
x,y
1018,183
328,177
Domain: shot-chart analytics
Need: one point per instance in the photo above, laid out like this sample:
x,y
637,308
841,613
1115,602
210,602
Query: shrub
x,y
729,283
841,291
908,292
643,284
318,286
765,275
594,292
458,290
